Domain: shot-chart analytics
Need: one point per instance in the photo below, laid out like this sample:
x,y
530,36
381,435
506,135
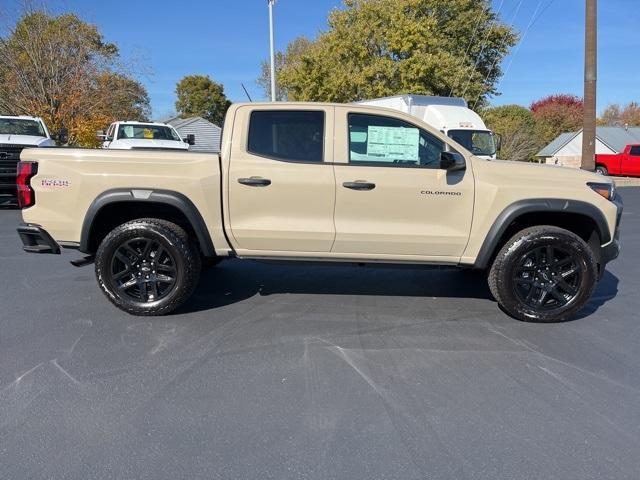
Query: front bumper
x,y
36,239
611,251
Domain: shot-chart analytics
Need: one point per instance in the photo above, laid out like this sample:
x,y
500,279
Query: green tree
x,y
199,96
516,127
375,48
61,68
556,114
289,58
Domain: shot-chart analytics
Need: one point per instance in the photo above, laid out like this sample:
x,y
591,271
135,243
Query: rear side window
x,y
635,151
290,135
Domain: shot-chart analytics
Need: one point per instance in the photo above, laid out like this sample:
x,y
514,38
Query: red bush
x,y
565,100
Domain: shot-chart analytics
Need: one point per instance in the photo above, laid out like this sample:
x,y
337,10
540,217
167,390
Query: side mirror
x,y
62,135
452,161
190,139
101,136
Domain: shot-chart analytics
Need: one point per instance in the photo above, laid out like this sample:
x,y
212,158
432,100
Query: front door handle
x,y
255,181
359,185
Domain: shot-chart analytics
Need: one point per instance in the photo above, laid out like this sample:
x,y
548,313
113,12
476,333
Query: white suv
x,y
138,135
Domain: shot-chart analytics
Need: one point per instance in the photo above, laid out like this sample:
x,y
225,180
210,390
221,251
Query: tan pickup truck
x,y
321,182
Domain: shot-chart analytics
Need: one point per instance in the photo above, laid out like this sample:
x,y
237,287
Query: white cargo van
x,y
450,115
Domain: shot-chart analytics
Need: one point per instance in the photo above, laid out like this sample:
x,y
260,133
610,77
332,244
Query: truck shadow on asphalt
x,y
235,281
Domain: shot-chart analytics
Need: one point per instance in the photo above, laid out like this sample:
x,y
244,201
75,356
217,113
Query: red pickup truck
x,y
626,163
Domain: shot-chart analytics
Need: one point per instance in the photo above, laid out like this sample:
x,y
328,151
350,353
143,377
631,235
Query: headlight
x,y
607,190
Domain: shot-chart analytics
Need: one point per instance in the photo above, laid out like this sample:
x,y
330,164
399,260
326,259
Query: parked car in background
x,y
626,163
135,135
16,134
322,182
450,115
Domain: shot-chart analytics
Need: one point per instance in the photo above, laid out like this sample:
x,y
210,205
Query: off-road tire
x,y
509,288
602,170
177,247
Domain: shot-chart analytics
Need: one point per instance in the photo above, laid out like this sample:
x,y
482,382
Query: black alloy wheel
x,y
148,266
547,278
143,270
543,274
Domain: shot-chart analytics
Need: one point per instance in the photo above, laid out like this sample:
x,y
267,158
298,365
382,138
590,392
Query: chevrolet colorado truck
x,y
625,163
322,182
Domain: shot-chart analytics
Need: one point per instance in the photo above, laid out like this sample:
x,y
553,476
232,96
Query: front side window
x,y
290,135
147,132
478,142
376,140
635,151
20,126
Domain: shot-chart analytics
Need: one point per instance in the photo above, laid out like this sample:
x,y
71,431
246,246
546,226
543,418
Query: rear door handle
x,y
255,181
359,185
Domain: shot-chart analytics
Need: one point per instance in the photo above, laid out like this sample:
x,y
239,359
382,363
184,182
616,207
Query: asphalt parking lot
x,y
318,372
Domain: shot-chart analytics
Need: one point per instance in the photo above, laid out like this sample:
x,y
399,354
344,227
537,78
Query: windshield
x,y
478,142
147,132
21,126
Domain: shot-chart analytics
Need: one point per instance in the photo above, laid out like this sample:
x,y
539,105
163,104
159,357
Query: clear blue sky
x,y
227,39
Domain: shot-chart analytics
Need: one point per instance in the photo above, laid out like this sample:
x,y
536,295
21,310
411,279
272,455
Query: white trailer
x,y
450,115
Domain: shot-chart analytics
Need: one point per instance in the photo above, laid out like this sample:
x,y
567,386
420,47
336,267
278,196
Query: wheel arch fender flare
x,y
148,196
540,205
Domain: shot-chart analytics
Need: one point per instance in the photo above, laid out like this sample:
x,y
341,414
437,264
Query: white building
x,y
207,134
566,150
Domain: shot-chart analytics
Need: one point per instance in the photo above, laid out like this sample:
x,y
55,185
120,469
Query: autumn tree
x,y
375,48
556,114
62,69
616,116
516,127
199,96
289,58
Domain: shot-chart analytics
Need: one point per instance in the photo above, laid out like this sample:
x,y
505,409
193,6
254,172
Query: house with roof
x,y
207,134
566,150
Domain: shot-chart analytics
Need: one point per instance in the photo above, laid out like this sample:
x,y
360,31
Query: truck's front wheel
x,y
543,274
147,266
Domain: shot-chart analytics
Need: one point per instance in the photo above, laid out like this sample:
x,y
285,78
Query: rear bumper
x,y
36,239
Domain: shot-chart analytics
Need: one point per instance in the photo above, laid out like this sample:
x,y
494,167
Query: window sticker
x,y
393,143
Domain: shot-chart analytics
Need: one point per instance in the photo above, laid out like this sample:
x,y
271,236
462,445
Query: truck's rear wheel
x,y
602,170
543,274
147,266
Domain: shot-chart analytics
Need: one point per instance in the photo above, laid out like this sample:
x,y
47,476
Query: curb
x,y
626,182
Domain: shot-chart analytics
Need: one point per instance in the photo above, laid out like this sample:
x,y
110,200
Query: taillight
x,y
26,195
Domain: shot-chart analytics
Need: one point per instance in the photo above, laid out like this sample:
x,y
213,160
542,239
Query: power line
x,y
484,45
537,14
466,52
534,19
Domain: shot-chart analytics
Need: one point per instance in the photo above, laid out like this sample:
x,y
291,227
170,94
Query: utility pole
x,y
590,83
273,53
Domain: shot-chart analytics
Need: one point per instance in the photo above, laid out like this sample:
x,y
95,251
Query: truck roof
x,y
22,117
135,122
422,100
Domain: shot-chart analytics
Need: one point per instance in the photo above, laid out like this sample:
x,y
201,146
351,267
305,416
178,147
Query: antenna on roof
x,y
246,93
